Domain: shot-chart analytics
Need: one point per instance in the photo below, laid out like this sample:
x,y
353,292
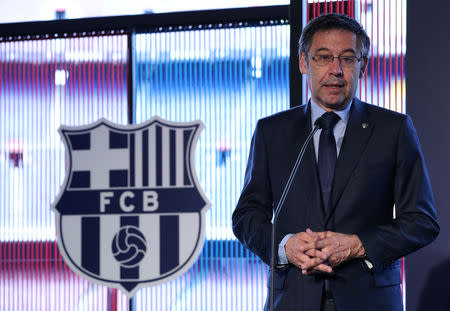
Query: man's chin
x,y
334,105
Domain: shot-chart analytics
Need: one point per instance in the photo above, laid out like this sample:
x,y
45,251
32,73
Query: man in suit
x,y
361,199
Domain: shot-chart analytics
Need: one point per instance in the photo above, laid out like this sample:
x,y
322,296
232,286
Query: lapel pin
x,y
364,125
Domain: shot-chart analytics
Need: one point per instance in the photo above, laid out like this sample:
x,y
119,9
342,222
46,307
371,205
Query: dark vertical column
x,y
186,145
427,101
159,158
145,158
295,78
169,244
172,153
90,244
132,158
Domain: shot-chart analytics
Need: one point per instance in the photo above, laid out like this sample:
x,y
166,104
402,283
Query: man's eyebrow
x,y
349,50
323,50
328,50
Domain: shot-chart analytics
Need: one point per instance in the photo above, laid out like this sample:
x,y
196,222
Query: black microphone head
x,y
326,120
319,122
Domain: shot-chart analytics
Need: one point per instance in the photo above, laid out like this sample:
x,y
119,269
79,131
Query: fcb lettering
x,y
131,212
149,201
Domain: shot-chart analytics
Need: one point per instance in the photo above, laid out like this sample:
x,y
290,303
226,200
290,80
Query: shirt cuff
x,y
282,259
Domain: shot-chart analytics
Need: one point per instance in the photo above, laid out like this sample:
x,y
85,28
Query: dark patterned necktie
x,y
327,155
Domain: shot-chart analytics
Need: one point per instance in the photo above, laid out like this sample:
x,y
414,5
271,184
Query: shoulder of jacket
x,y
283,116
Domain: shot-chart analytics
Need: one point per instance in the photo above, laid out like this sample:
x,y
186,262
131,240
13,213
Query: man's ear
x,y
302,63
362,71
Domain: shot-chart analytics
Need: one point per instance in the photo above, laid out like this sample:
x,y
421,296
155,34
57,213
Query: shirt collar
x,y
317,112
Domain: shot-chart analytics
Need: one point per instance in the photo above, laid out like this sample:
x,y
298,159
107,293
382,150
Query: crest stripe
x,y
169,242
132,151
138,168
152,156
165,151
145,158
172,153
187,136
180,163
90,244
158,155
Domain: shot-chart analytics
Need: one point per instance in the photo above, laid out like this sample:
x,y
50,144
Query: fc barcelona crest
x,y
131,212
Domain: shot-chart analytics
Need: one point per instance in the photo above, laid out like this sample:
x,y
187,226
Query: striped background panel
x,y
228,76
46,83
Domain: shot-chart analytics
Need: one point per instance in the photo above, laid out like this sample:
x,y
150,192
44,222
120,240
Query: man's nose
x,y
336,67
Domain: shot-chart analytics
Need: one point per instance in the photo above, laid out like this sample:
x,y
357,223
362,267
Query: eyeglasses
x,y
326,59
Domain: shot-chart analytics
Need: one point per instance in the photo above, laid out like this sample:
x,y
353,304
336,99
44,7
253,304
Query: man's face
x,y
334,85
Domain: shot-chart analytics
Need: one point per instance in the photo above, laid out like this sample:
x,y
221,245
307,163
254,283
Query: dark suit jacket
x,y
380,164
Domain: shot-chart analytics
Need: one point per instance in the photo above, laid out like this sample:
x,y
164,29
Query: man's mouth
x,y
334,87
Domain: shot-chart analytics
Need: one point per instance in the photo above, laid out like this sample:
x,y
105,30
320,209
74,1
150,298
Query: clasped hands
x,y
320,252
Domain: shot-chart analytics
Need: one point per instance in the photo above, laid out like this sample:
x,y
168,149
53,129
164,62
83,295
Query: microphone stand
x,y
280,204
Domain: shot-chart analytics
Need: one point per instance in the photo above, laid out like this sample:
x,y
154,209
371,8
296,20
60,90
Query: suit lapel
x,y
302,126
357,135
306,183
314,214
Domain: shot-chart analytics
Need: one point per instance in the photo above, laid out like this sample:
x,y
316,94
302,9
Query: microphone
x,y
319,122
287,187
